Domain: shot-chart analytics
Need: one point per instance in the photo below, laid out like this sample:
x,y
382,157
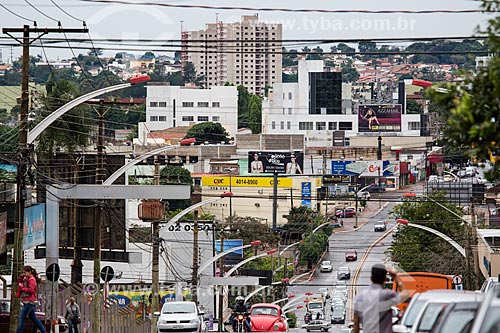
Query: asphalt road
x,y
360,240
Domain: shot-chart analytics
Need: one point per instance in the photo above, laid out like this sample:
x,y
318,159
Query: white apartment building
x,y
171,106
243,53
317,106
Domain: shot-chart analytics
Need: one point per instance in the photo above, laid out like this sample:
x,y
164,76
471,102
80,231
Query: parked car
x,y
347,212
351,255
29,326
317,325
376,189
338,316
457,317
343,273
326,266
486,319
380,226
267,317
180,316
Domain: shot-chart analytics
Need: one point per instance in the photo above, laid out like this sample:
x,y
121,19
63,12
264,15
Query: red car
x,y
351,255
348,212
267,317
29,327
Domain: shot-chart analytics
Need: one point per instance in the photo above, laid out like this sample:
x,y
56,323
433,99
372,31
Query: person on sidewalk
x,y
28,292
372,306
73,315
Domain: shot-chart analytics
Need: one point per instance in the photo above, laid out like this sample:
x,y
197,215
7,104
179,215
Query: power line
x,y
15,14
65,12
38,10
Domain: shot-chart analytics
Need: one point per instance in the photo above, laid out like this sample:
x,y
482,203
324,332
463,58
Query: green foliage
x,y
342,47
412,107
316,55
208,132
292,319
243,106
250,229
468,60
289,58
418,250
176,175
290,77
255,117
9,139
349,73
190,75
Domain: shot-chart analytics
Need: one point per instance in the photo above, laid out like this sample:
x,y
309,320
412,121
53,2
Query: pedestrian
x,y
372,306
28,293
73,315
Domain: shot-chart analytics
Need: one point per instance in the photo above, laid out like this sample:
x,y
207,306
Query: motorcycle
x,y
240,322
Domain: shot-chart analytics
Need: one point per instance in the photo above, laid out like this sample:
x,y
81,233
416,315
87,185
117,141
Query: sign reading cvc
x,y
245,181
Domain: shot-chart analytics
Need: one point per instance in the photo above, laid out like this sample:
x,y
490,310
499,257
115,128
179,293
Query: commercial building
x,y
246,52
172,106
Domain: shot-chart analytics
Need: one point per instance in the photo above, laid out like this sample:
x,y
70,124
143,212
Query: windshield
x,y
412,313
315,306
429,316
179,308
326,263
457,321
491,322
264,311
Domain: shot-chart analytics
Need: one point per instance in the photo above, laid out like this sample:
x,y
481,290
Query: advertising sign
x,y
3,233
379,118
306,194
234,257
336,179
245,181
271,162
139,298
34,226
364,168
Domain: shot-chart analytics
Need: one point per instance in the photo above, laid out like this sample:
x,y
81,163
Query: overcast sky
x,y
107,21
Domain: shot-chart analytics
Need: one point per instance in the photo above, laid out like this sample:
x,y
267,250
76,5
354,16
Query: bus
x,y
418,282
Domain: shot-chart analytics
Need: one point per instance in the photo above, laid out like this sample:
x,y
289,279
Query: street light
x,y
289,297
241,263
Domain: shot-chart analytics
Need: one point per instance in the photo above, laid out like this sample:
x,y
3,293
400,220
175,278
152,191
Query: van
x,y
180,316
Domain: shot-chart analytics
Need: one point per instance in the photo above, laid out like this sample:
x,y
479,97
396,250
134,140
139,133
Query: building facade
x,y
243,53
172,106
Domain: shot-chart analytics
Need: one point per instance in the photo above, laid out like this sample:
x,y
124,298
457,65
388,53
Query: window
x,y
153,118
284,110
289,95
202,118
216,104
305,126
345,126
282,125
187,104
187,118
162,104
332,126
153,104
288,125
215,118
273,125
289,110
321,126
203,104
413,125
162,118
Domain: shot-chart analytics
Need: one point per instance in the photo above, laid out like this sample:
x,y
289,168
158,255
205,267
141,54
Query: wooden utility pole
x,y
194,279
22,156
155,267
221,288
474,247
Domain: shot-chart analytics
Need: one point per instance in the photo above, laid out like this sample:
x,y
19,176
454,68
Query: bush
x,y
292,319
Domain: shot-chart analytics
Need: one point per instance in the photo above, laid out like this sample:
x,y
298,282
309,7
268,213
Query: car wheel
x,y
323,329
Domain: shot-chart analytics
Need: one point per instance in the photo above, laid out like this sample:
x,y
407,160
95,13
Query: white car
x,y
180,316
326,266
364,195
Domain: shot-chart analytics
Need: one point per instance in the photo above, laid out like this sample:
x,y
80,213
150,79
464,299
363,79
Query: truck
x,y
316,304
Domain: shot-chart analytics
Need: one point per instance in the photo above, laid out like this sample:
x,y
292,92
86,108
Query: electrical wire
x,y
38,10
65,12
15,14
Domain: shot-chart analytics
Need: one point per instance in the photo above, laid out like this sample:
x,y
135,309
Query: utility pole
x,y
275,200
474,247
221,289
194,279
100,173
23,158
155,266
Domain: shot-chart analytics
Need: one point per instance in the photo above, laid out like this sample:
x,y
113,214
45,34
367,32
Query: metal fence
x,y
114,319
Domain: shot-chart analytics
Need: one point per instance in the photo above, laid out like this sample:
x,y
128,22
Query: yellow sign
x,y
245,181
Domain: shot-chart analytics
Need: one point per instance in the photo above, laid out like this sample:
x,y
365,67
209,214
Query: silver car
x,y
317,325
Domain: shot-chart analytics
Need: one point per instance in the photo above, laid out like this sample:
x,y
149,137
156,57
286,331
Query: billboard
x,y
3,233
379,118
362,168
279,162
226,181
34,226
306,194
232,258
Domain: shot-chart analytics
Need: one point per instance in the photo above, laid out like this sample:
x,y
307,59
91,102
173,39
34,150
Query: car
x,y
449,178
346,212
364,195
343,273
336,222
326,266
29,326
351,255
338,307
433,179
338,316
338,300
325,292
376,188
380,226
486,319
317,325
267,317
456,317
180,316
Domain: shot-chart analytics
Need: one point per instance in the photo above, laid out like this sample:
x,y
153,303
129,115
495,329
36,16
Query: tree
x,y
250,229
344,48
243,106
255,117
471,108
148,55
176,175
412,107
418,250
10,138
316,55
349,73
208,132
190,76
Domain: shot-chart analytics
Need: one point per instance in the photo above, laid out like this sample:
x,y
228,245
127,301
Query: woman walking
x,y
27,286
73,315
